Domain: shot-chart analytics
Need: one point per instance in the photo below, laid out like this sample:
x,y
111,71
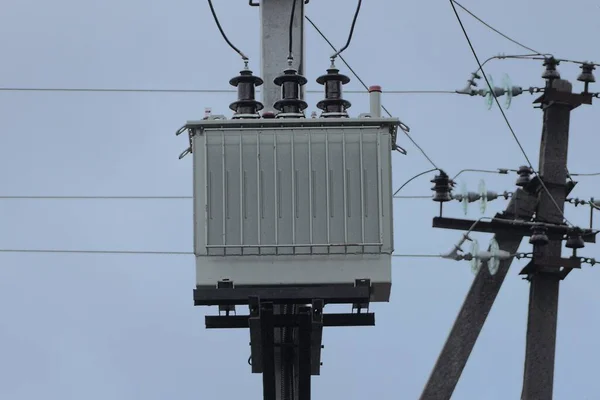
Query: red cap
x,y
268,114
374,88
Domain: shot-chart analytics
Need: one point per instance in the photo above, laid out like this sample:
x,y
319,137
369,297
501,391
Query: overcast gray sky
x,y
123,326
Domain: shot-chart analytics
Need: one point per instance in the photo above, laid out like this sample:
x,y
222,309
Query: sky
x,y
96,326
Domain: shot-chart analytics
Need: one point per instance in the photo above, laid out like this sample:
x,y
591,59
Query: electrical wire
x,y
61,251
96,197
592,174
122,252
291,31
514,56
337,53
501,171
418,255
413,178
503,113
214,14
496,30
214,91
403,126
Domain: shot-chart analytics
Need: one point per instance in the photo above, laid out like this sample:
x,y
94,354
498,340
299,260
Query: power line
x,y
291,31
412,179
337,53
404,127
502,111
212,91
494,29
214,14
95,251
501,171
135,252
96,197
592,174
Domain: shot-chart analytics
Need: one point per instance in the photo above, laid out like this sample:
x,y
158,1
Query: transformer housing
x,y
293,202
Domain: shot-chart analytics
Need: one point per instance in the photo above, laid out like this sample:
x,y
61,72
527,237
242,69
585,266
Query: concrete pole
x,y
538,380
476,307
275,24
275,18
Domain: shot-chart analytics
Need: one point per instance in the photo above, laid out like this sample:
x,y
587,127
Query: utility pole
x,y
544,196
544,279
275,18
476,307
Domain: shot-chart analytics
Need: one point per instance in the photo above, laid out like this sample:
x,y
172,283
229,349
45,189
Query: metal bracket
x,y
239,295
359,306
551,95
510,227
560,267
226,308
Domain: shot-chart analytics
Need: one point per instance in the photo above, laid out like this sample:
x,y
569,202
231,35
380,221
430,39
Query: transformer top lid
x,y
367,122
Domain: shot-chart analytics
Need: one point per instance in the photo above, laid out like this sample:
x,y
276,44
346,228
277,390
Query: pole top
x,y
375,88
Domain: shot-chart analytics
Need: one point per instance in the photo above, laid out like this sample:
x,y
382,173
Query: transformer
x,y
293,202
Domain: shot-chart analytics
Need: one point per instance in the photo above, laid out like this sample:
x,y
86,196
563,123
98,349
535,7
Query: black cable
x,y
214,14
512,131
496,30
351,31
291,31
413,178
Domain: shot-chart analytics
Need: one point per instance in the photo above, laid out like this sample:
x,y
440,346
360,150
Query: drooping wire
x,y
337,53
403,126
496,30
412,179
508,124
291,32
214,14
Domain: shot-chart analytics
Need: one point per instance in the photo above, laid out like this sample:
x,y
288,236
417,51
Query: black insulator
x,y
333,105
442,187
587,73
574,239
524,176
290,103
538,235
246,105
551,72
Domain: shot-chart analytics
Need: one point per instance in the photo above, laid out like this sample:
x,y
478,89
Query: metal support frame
x,y
307,327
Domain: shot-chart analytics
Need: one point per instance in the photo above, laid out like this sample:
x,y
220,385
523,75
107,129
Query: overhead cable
x,y
508,124
214,14
134,90
337,53
496,30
